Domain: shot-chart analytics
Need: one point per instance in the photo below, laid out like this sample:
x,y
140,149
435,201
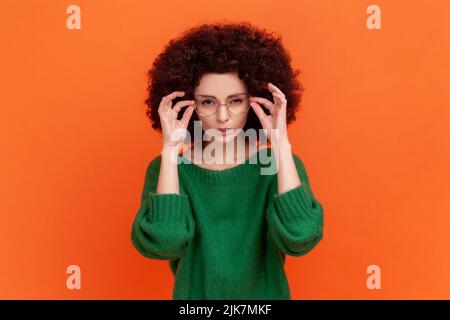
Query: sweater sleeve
x,y
163,225
294,217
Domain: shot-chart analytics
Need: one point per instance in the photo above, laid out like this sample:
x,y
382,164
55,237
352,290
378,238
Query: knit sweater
x,y
227,233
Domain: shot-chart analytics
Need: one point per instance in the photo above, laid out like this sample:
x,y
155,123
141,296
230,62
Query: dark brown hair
x,y
257,56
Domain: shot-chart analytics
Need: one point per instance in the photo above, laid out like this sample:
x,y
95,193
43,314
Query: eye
x,y
207,102
234,101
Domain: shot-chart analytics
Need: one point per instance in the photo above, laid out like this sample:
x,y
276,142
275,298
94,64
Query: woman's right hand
x,y
174,130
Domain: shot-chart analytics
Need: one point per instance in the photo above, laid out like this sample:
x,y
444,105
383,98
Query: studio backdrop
x,y
372,130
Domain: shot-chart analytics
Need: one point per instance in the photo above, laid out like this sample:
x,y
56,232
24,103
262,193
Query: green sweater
x,y
227,233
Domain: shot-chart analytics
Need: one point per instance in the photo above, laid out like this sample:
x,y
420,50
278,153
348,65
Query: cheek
x,y
205,122
242,119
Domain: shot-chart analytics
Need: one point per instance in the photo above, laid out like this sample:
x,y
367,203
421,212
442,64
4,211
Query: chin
x,y
228,138
224,138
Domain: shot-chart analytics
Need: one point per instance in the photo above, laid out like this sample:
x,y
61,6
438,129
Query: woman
x,y
226,226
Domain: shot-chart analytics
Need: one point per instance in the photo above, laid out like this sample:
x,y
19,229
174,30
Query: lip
x,y
225,130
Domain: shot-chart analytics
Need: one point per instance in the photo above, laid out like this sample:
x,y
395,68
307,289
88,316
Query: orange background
x,y
373,133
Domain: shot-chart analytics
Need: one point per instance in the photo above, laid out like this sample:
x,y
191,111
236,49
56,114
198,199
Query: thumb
x,y
259,112
187,115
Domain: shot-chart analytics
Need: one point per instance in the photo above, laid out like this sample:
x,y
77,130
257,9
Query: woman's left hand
x,y
274,125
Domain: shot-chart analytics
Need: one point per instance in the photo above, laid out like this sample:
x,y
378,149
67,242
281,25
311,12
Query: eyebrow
x,y
232,95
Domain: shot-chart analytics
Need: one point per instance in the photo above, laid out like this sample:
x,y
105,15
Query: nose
x,y
222,113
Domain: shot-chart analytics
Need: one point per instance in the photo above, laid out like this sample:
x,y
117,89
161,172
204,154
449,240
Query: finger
x,y
273,88
279,100
181,104
259,111
187,115
265,102
174,94
166,101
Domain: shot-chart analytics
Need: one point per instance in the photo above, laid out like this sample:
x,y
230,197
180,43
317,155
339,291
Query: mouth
x,y
224,131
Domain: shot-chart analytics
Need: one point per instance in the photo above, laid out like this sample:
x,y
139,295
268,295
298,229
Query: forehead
x,y
239,94
220,85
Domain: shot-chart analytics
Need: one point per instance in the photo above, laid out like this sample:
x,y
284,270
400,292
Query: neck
x,y
230,152
221,152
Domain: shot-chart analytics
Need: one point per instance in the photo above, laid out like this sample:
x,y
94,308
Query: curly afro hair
x,y
257,56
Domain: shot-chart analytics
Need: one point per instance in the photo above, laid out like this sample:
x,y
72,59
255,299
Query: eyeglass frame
x,y
223,104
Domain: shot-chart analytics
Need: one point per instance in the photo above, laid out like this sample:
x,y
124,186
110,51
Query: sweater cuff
x,y
168,208
296,204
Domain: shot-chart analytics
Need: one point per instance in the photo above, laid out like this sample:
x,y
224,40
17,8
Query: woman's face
x,y
223,88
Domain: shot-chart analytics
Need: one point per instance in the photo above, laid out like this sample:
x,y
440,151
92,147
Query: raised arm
x,y
164,225
294,215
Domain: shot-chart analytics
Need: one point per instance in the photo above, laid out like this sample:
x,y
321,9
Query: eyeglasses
x,y
208,106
